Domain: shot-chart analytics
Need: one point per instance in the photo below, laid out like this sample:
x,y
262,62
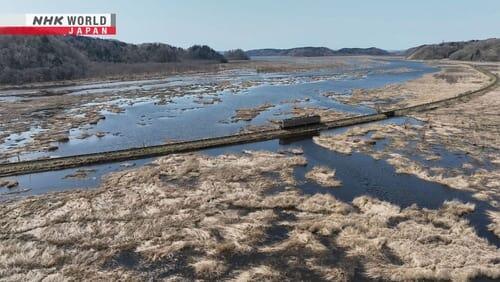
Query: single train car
x,y
299,121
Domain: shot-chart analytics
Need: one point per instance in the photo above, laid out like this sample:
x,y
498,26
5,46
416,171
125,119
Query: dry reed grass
x,y
190,216
324,176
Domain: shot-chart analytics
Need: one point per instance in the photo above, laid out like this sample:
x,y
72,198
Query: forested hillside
x,y
46,58
474,50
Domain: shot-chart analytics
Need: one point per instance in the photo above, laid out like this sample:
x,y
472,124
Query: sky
x,y
230,24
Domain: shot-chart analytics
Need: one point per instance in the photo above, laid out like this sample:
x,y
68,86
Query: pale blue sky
x,y
228,24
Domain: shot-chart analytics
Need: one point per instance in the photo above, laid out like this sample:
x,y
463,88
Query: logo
x,y
59,24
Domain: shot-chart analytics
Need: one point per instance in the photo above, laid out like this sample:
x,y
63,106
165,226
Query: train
x,y
299,121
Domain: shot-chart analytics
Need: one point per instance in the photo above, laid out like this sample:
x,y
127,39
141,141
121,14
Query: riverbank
x,y
457,146
452,79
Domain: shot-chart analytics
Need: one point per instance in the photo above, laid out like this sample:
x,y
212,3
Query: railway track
x,y
33,166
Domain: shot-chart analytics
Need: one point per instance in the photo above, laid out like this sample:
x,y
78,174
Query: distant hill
x,y
474,50
363,51
309,52
316,52
296,52
266,52
45,58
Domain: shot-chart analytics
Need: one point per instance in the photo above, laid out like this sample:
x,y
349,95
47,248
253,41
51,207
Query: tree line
x,y
46,58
